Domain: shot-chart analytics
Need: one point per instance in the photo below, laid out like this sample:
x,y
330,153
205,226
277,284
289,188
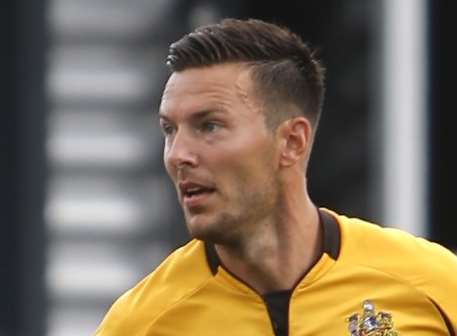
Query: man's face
x,y
218,152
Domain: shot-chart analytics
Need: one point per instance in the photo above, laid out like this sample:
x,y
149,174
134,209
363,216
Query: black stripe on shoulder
x,y
446,319
331,234
211,258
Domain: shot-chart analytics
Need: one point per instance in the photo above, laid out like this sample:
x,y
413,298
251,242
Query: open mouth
x,y
193,190
196,191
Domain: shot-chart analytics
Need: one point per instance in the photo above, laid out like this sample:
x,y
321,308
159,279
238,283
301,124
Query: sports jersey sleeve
x,y
440,279
112,323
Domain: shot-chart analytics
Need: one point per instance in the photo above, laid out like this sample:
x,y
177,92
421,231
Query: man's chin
x,y
220,228
208,232
204,233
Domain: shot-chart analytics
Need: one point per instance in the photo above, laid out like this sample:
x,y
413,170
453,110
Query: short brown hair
x,y
284,69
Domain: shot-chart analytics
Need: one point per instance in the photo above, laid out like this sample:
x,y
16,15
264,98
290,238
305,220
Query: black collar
x,y
331,234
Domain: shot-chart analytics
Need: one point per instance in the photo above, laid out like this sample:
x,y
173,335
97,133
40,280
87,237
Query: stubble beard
x,y
241,218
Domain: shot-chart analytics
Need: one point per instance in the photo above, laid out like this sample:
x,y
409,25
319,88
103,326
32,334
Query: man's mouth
x,y
193,191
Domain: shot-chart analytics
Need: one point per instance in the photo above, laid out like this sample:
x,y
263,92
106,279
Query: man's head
x,y
237,128
287,76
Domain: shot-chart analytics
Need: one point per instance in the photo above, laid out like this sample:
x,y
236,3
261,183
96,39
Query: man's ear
x,y
295,139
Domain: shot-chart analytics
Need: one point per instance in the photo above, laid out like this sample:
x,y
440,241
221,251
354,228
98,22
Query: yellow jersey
x,y
369,281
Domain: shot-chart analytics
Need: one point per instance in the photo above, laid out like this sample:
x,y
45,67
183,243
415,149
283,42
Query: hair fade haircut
x,y
288,78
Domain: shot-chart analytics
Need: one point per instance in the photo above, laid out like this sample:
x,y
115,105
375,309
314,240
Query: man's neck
x,y
276,255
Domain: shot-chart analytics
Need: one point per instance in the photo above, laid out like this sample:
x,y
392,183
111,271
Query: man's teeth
x,y
194,190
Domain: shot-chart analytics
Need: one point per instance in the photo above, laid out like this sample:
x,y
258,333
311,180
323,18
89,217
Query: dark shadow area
x,y
22,304
443,166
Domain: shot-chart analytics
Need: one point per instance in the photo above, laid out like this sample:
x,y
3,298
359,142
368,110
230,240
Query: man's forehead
x,y
220,75
218,82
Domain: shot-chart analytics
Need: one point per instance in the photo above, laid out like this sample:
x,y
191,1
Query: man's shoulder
x,y
394,251
183,272
383,256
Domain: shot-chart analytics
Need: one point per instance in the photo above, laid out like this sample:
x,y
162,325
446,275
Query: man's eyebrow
x,y
205,113
196,115
163,117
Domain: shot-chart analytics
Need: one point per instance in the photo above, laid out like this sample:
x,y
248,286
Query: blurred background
x,y
86,208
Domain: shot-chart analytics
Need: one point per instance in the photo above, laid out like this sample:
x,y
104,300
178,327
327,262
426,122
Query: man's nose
x,y
181,151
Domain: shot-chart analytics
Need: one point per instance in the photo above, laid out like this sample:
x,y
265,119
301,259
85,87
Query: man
x,y
239,114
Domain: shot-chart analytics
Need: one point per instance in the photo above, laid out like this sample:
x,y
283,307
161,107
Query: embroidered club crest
x,y
370,323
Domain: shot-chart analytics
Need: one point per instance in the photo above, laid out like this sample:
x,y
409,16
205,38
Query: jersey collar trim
x,y
331,234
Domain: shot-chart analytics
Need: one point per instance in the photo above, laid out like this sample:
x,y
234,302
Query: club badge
x,y
370,323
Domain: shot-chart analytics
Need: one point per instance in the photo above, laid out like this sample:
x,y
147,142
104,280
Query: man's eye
x,y
209,127
167,129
